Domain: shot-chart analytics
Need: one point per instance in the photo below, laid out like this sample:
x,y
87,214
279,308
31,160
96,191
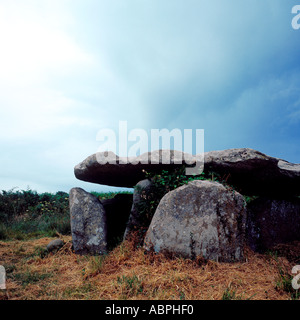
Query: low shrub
x,y
27,214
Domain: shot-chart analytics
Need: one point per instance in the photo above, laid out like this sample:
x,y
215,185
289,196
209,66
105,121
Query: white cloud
x,y
32,46
35,51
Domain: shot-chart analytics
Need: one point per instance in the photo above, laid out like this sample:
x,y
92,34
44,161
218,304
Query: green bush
x,y
26,214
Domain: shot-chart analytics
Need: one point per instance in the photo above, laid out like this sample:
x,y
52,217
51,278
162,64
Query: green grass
x,y
96,264
28,277
230,295
108,195
129,285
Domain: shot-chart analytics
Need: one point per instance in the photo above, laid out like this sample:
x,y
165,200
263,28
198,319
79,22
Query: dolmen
x,y
260,209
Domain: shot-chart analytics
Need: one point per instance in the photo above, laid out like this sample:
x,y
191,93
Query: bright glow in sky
x,y
69,68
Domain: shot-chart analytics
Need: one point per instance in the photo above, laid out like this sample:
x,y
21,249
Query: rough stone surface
x,y
140,190
117,213
88,223
271,222
127,172
200,218
254,173
55,245
250,171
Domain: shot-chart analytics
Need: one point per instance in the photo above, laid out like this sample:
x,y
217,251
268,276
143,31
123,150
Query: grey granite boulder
x,y
202,218
88,223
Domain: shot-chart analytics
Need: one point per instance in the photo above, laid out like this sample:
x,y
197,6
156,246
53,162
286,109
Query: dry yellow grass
x,y
129,273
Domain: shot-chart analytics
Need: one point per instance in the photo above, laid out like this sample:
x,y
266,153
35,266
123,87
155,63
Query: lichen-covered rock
x,y
202,218
271,222
88,223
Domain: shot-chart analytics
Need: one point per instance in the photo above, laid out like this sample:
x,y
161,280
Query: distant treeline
x,y
25,214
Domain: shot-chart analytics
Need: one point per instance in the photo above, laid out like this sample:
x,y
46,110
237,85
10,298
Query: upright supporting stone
x,y
88,223
272,221
201,218
141,190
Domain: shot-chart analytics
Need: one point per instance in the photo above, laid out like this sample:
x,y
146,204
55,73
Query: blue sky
x,y
69,68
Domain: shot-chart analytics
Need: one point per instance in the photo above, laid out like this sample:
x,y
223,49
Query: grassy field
x,y
127,272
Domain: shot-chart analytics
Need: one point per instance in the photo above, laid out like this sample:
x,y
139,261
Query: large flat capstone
x,y
250,171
